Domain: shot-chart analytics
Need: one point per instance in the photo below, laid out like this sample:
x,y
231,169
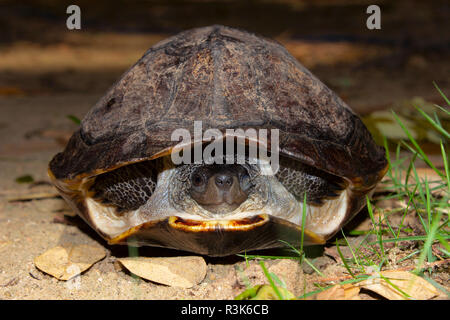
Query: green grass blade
x,y
279,281
436,118
311,293
409,256
436,285
303,222
254,257
441,93
379,232
442,109
428,202
403,293
433,123
294,249
416,145
410,199
443,242
314,267
344,260
353,253
408,172
269,278
410,238
388,157
447,170
428,242
74,119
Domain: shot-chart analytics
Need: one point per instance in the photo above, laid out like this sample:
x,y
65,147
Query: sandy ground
x,y
41,84
29,228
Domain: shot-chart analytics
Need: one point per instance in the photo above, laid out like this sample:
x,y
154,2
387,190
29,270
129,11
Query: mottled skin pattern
x,y
299,179
226,78
128,187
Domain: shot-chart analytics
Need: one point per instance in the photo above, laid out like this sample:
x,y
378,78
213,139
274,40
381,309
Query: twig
x,y
34,196
436,252
11,282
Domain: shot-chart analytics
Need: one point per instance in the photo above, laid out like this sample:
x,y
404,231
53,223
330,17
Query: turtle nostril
x,y
224,181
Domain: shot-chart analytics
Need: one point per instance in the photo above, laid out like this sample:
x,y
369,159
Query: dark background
x,y
370,69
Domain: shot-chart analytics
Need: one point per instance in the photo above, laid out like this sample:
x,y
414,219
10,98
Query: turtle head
x,y
220,188
214,209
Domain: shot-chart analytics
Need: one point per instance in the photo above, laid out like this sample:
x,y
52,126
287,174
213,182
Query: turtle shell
x,y
226,78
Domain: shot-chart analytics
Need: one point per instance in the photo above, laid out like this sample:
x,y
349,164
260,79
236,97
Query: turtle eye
x,y
197,180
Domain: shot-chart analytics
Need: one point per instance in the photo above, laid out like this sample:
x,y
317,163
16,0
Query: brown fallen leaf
x,y
184,272
413,287
67,262
339,292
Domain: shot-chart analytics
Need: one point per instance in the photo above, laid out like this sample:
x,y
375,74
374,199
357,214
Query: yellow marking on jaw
x,y
211,225
196,226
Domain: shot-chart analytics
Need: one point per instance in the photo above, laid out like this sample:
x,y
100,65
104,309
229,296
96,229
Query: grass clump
x,y
418,185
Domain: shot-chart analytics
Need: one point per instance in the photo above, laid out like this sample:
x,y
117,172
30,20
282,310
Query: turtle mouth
x,y
200,199
196,226
217,237
157,203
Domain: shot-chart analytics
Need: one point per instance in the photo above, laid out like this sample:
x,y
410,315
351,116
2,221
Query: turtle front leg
x,y
299,178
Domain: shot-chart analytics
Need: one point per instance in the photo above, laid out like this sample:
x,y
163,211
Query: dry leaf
x,y
65,263
415,287
339,292
34,196
182,272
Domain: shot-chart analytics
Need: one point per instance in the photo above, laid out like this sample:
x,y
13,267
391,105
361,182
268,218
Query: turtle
x,y
118,172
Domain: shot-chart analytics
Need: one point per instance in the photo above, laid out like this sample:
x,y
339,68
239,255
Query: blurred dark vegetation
x,y
404,22
405,57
